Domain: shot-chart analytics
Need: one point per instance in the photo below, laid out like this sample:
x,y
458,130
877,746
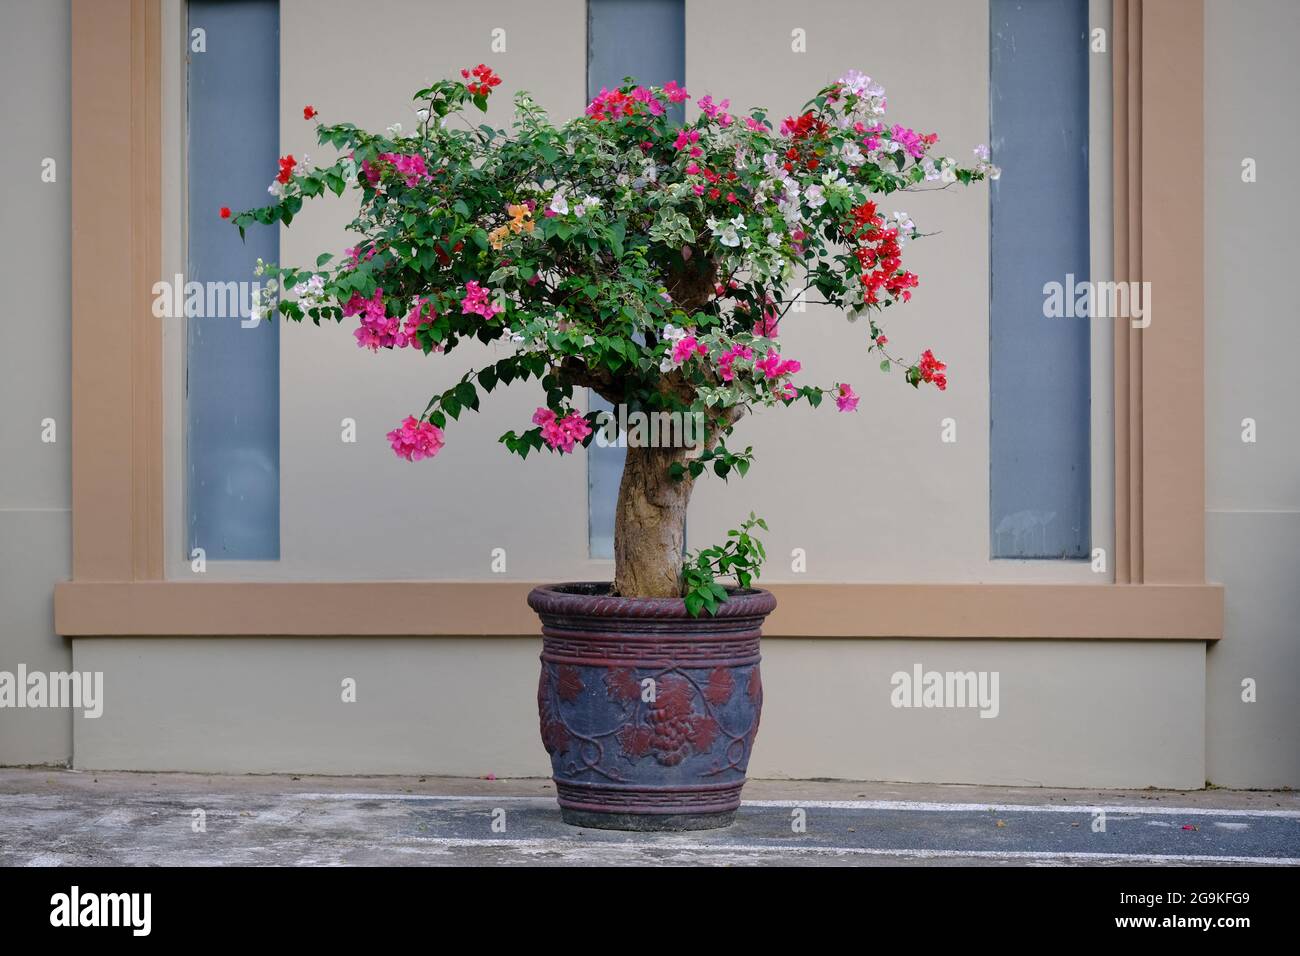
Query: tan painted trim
x,y
116,242
118,586
410,608
1158,58
1173,261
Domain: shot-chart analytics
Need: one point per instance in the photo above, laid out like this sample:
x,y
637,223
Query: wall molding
x,y
478,608
119,587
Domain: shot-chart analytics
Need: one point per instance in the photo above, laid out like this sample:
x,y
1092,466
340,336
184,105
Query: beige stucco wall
x,y
1252,490
1072,713
887,501
35,364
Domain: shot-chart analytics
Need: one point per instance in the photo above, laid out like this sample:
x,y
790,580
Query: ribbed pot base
x,y
648,822
649,715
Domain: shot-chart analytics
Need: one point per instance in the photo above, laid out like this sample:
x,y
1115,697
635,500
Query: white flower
x,y
559,203
813,196
728,233
311,292
852,155
773,239
982,152
276,189
395,131
671,333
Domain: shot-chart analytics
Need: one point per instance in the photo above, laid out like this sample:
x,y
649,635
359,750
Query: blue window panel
x,y
232,405
1039,369
645,39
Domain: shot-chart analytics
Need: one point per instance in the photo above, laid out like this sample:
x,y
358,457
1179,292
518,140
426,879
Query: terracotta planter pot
x,y
649,714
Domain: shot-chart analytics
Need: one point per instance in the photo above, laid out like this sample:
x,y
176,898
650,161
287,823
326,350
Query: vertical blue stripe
x,y
1039,369
232,373
645,39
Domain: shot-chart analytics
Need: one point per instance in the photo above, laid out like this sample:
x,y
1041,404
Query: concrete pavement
x,y
62,817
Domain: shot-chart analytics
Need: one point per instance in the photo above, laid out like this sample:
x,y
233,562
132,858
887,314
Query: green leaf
x,y
694,604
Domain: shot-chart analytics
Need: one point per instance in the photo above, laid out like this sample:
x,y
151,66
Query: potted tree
x,y
651,262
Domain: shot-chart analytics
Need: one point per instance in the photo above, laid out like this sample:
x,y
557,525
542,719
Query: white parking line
x,y
677,844
907,805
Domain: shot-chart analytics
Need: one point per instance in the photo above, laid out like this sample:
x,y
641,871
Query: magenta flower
x,y
728,358
773,366
687,346
561,434
476,301
675,93
846,401
414,440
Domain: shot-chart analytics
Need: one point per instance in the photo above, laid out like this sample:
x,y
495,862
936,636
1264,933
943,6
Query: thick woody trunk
x,y
650,520
650,524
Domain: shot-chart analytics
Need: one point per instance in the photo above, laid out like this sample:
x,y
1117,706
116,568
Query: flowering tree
x,y
649,261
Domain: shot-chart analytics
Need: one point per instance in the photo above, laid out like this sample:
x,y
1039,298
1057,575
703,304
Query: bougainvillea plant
x,y
649,260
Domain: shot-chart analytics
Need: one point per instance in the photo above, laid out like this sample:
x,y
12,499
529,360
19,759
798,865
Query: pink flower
x,y
685,138
728,358
766,327
421,314
378,329
561,434
910,140
414,440
772,365
410,168
846,401
476,302
686,347
643,95
675,93
715,111
354,255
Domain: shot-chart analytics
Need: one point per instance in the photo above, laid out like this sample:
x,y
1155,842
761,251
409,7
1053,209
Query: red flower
x,y
225,212
308,112
286,168
932,370
484,80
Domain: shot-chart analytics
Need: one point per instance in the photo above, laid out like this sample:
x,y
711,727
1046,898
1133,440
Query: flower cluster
x,y
561,434
476,301
414,439
483,80
519,221
651,260
287,163
932,370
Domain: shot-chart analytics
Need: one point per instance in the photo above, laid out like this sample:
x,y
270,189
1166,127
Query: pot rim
x,y
592,599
